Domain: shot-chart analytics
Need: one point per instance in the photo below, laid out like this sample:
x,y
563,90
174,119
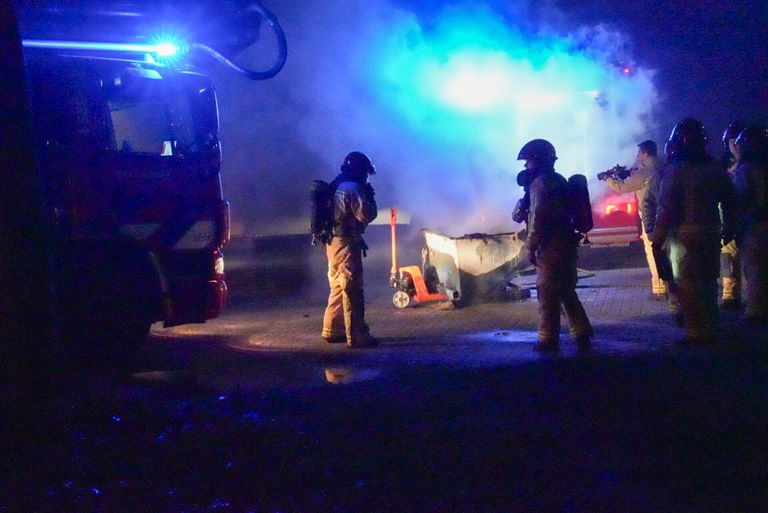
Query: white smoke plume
x,y
442,108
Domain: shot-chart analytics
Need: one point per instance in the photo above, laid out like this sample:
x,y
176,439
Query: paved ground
x,y
283,325
453,413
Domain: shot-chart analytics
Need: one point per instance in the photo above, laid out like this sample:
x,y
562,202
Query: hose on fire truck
x,y
271,20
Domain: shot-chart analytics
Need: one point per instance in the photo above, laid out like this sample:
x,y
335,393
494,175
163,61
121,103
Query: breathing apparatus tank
x,y
321,222
579,203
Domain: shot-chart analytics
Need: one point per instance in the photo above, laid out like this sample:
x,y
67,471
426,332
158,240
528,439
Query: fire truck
x,y
126,135
616,218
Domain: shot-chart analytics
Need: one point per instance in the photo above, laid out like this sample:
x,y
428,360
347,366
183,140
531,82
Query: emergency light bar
x,y
218,29
163,50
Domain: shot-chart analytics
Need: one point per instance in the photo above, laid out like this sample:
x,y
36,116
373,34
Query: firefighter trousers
x,y
555,286
695,255
658,286
754,258
345,312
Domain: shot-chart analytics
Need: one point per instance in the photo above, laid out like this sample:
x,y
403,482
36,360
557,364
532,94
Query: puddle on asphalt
x,y
342,375
239,381
163,376
506,336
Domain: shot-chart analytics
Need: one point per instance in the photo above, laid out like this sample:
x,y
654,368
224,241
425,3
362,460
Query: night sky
x,y
711,56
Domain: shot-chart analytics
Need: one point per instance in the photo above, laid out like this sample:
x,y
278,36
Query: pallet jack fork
x,y
409,280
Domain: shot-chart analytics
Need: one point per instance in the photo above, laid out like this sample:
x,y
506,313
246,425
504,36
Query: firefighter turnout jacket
x,y
549,222
354,207
692,197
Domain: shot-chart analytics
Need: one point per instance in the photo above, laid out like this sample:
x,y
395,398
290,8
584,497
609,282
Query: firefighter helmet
x,y
752,143
732,132
358,163
688,140
539,150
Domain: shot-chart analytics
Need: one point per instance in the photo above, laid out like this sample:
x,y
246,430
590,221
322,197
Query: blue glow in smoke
x,y
472,74
441,106
472,89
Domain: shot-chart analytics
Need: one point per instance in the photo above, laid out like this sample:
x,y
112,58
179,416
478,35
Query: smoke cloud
x,y
442,106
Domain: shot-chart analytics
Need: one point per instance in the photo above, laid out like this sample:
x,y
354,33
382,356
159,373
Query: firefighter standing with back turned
x,y
354,207
730,263
637,182
552,247
751,182
688,217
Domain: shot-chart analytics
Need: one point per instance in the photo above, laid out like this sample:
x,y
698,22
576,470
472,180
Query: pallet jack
x,y
409,280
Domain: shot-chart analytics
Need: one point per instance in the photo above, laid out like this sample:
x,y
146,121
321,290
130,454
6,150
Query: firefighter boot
x,y
731,293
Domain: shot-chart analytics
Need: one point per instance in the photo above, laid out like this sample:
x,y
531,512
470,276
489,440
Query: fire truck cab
x,y
132,158
129,152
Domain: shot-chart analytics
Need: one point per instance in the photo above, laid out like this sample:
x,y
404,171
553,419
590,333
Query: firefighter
x,y
751,182
730,266
637,182
689,220
354,207
552,247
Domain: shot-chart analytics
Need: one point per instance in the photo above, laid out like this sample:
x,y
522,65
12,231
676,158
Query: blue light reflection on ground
x,y
506,336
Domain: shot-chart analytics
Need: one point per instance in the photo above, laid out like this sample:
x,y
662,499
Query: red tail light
x,y
611,208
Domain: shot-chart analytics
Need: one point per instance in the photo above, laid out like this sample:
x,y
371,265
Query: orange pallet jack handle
x,y
392,224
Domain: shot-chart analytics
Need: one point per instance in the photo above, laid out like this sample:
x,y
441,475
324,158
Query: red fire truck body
x,y
130,158
616,218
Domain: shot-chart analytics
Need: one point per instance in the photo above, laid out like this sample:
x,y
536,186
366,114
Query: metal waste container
x,y
476,267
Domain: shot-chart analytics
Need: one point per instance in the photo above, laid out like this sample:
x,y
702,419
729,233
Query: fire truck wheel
x,y
401,299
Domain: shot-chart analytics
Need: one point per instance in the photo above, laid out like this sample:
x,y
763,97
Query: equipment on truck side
x,y
126,126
